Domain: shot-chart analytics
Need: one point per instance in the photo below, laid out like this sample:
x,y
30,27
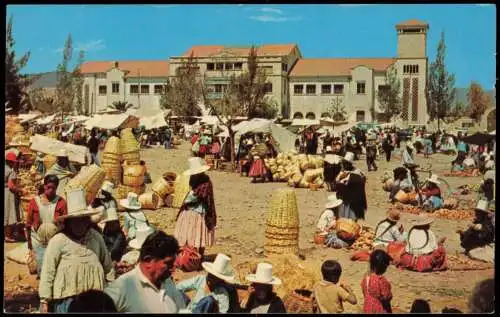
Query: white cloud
x,y
94,45
271,10
270,18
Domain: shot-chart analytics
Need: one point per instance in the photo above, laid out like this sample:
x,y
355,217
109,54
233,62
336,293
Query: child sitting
x,y
328,295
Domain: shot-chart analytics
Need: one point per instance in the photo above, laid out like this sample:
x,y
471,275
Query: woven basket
x,y
128,143
112,146
132,158
181,190
111,158
48,161
167,201
165,185
282,223
209,159
113,172
133,175
150,200
299,301
347,229
90,178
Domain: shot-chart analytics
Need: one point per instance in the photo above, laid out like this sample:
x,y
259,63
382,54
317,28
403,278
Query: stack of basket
x,y
111,160
90,178
129,147
181,190
133,179
164,187
282,231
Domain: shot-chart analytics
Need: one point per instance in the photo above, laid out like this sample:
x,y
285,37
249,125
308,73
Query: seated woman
x,y
402,182
479,239
388,231
326,222
431,194
262,299
214,292
423,252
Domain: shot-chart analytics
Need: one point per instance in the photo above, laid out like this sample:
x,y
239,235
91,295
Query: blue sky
x,y
131,32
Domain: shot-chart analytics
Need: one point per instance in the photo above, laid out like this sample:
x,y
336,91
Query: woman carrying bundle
x,y
259,153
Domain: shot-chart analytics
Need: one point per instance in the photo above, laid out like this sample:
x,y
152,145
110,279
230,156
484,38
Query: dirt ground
x,y
241,216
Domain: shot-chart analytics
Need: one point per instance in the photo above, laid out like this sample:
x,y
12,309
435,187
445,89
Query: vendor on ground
x,y
351,189
76,260
63,169
133,216
12,213
402,182
388,231
262,299
479,239
214,292
326,222
105,198
423,251
431,194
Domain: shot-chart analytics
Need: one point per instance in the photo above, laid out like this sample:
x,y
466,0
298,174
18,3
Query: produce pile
x,y
29,181
467,188
465,173
12,128
365,240
451,214
460,262
299,170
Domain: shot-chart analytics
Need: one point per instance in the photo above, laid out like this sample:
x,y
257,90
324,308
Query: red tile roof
x,y
337,66
134,68
412,23
264,50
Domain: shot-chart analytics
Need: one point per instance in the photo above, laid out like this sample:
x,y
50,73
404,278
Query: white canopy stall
x,y
285,140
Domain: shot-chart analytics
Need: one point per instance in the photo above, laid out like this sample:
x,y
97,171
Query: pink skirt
x,y
191,229
258,169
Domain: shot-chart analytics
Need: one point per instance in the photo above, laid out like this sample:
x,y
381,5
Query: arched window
x,y
325,115
298,115
310,115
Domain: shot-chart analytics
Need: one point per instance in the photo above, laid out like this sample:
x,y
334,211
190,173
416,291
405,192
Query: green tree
x,y
336,110
77,78
440,86
15,83
389,96
121,106
478,100
64,89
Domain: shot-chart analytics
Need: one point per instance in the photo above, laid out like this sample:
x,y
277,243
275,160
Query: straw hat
x,y
393,215
482,205
333,202
433,179
131,202
140,236
98,217
77,204
196,166
264,275
108,187
349,157
62,153
422,221
329,148
220,268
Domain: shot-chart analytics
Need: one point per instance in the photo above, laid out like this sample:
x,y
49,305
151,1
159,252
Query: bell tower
x,y
412,39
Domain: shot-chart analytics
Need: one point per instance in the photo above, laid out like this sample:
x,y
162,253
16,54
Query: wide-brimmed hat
x,y
196,166
434,179
140,236
264,275
98,216
77,204
332,159
393,215
482,205
328,148
333,202
422,221
108,187
220,268
62,153
349,157
131,202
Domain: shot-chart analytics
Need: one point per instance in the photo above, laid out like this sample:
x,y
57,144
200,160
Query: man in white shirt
x,y
149,287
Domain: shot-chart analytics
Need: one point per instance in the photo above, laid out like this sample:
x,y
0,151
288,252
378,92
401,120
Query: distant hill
x,y
461,95
44,80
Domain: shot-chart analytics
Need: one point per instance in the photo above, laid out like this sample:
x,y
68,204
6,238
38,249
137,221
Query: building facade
x,y
300,87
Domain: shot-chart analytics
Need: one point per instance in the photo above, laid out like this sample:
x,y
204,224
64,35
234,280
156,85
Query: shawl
x,y
205,193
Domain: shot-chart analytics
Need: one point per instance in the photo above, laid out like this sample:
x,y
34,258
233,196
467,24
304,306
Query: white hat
x,y
98,217
420,242
110,214
140,236
490,164
132,202
433,179
62,153
349,157
220,268
328,148
333,202
264,275
107,186
332,159
77,204
422,220
196,166
482,205
250,141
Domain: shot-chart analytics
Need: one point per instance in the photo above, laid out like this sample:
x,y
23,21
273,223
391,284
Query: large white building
x,y
301,87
